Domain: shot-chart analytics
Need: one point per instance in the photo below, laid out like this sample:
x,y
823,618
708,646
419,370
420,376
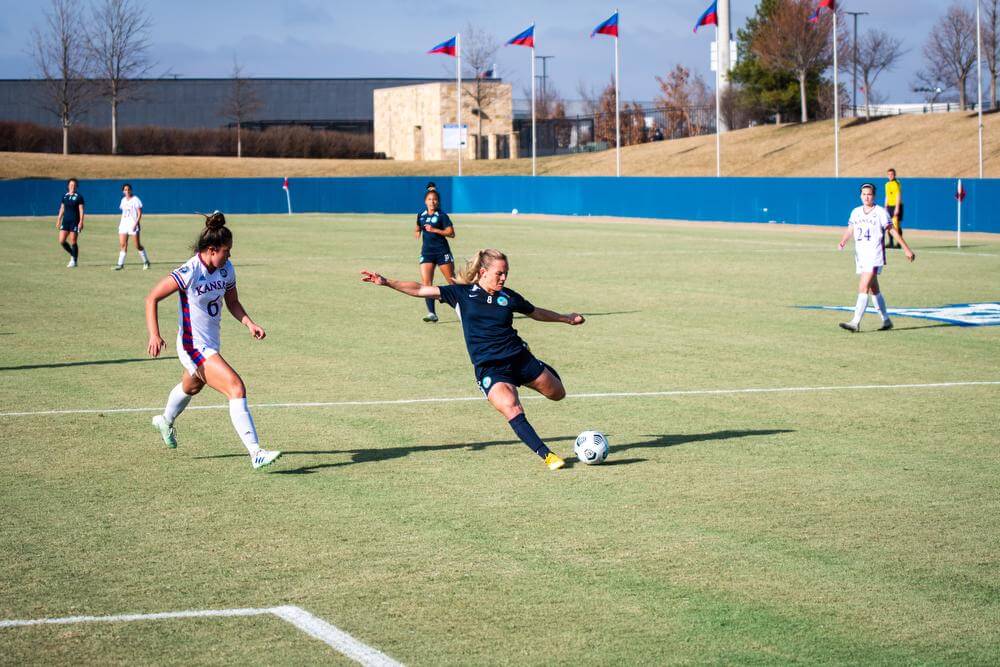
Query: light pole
x,y
544,76
854,60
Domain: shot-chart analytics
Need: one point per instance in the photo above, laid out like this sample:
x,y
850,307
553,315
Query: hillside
x,y
942,145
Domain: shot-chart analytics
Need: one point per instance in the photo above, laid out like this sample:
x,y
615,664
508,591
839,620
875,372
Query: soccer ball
x,y
514,212
591,447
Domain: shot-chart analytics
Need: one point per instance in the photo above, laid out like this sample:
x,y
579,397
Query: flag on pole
x,y
709,17
526,38
823,4
447,47
960,193
285,185
608,27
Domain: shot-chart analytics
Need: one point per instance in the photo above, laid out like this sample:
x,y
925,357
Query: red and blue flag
x,y
526,38
608,27
709,17
447,47
827,4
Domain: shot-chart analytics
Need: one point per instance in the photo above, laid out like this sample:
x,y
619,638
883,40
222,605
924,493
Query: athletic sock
x,y
430,305
527,434
76,251
880,305
121,258
145,257
176,402
239,413
67,247
859,308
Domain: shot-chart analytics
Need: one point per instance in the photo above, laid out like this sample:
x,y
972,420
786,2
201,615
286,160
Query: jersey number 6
x,y
213,308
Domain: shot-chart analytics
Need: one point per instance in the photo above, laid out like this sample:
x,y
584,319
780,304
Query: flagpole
x,y
979,82
958,196
534,84
458,77
618,124
718,103
836,102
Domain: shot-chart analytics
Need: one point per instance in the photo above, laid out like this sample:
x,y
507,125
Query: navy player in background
x,y
501,359
70,221
436,228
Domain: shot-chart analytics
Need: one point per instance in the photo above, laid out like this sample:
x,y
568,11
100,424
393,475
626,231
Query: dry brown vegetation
x,y
935,145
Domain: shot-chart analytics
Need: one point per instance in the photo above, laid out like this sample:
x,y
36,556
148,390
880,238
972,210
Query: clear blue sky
x,y
334,38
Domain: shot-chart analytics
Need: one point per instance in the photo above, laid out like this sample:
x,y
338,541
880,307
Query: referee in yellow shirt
x,y
894,205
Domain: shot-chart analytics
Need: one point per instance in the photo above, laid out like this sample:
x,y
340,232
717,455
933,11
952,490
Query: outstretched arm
x,y
543,315
406,287
160,291
237,310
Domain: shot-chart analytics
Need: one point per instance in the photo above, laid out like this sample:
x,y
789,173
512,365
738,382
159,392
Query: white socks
x,y
879,302
176,402
121,258
145,257
859,308
239,413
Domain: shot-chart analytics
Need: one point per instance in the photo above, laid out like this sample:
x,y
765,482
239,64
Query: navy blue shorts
x,y
69,226
518,370
437,258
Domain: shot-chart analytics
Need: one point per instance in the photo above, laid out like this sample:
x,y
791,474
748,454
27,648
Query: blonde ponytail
x,y
482,259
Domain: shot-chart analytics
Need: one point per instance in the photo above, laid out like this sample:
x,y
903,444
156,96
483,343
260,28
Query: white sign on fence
x,y
733,55
450,136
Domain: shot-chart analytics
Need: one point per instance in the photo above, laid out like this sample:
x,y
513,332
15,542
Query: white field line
x,y
311,625
457,399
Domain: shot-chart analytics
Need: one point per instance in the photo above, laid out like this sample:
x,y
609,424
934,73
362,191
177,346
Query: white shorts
x,y
864,268
194,358
125,227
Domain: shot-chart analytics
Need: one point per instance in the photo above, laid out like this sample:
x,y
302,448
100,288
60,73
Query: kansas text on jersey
x,y
487,320
201,294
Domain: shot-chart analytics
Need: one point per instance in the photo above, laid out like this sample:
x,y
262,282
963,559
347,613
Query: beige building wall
x,y
409,120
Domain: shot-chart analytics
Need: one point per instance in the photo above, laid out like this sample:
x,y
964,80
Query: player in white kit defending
x,y
867,225
203,283
131,207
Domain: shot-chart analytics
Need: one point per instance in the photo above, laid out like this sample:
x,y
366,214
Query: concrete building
x,y
410,120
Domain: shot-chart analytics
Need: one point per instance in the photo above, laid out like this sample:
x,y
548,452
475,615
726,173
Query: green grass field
x,y
818,526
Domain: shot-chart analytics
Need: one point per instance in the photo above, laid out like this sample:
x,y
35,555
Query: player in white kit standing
x,y
867,225
131,207
204,283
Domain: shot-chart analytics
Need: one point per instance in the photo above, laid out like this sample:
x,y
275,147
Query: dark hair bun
x,y
215,220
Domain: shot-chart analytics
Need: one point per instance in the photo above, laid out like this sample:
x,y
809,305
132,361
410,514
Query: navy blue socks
x,y
528,436
430,305
67,247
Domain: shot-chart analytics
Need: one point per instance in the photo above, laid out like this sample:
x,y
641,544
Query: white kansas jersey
x,y
201,293
130,209
869,230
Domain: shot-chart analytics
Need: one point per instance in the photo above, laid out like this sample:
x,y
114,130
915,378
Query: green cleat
x,y
166,430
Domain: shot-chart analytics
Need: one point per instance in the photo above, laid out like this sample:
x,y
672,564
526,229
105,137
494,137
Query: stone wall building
x,y
409,120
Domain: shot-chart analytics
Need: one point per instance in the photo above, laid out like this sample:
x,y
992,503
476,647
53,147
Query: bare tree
x,y
950,51
479,49
119,48
680,93
241,103
62,64
991,43
877,52
790,42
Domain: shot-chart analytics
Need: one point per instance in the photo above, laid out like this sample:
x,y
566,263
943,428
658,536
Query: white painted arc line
x,y
334,637
455,399
125,618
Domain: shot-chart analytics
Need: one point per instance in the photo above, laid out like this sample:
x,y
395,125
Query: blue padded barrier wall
x,y
929,202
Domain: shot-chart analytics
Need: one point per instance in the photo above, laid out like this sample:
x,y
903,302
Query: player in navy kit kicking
x,y
501,359
436,228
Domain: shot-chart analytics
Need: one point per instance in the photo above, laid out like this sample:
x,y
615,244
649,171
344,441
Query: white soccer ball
x,y
514,212
591,447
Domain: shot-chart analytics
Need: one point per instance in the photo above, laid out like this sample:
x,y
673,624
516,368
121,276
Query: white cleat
x,y
430,317
263,457
72,264
145,266
166,430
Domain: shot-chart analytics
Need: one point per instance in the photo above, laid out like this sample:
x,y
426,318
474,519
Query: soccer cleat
x,y
850,326
166,431
263,457
886,325
118,267
553,461
145,266
430,317
72,264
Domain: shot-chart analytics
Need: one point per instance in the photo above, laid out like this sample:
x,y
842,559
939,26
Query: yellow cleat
x,y
553,461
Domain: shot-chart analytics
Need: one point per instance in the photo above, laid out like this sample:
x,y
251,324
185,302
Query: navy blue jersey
x,y
434,244
71,207
487,320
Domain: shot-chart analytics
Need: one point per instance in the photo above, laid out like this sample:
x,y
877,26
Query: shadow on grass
x,y
389,453
70,364
896,327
